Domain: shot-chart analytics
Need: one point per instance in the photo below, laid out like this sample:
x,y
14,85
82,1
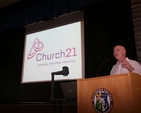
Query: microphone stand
x,y
52,93
101,65
52,87
52,96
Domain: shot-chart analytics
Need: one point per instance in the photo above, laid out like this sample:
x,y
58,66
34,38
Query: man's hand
x,y
126,64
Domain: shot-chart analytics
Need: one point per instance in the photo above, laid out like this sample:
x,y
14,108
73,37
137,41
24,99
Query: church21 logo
x,y
102,100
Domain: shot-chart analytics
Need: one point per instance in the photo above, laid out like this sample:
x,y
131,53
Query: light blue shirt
x,y
117,68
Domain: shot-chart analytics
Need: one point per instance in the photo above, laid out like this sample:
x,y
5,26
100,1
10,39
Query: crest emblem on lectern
x,y
102,100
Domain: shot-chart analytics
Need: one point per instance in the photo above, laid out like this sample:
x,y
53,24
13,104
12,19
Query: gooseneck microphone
x,y
101,66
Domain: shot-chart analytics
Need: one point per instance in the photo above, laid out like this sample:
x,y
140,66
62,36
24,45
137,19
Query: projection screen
x,y
52,44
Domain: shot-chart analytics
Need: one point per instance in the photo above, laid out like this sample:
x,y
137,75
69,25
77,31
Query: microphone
x,y
64,72
101,66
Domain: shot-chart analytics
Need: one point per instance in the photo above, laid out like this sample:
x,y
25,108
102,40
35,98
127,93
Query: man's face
x,y
119,53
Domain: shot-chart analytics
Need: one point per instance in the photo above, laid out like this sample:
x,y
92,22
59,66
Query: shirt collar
x,y
125,58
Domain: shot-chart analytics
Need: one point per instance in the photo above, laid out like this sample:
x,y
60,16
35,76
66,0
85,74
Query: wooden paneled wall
x,y
136,15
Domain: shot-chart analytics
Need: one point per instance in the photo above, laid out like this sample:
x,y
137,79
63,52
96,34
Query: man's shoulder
x,y
134,61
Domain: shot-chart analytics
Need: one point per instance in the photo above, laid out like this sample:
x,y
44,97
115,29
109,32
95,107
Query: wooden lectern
x,y
125,90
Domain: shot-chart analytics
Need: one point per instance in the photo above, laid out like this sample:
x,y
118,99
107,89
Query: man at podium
x,y
124,64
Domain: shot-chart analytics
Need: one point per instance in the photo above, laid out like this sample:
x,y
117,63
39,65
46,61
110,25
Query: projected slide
x,y
49,50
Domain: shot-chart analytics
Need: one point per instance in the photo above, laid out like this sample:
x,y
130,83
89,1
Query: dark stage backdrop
x,y
106,24
12,42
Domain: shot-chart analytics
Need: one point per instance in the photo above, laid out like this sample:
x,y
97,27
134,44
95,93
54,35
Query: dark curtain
x,y
12,42
24,12
107,23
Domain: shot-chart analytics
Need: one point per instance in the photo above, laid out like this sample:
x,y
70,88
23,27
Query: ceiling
x,y
5,3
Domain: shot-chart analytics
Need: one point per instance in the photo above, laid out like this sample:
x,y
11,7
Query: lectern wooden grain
x,y
125,90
